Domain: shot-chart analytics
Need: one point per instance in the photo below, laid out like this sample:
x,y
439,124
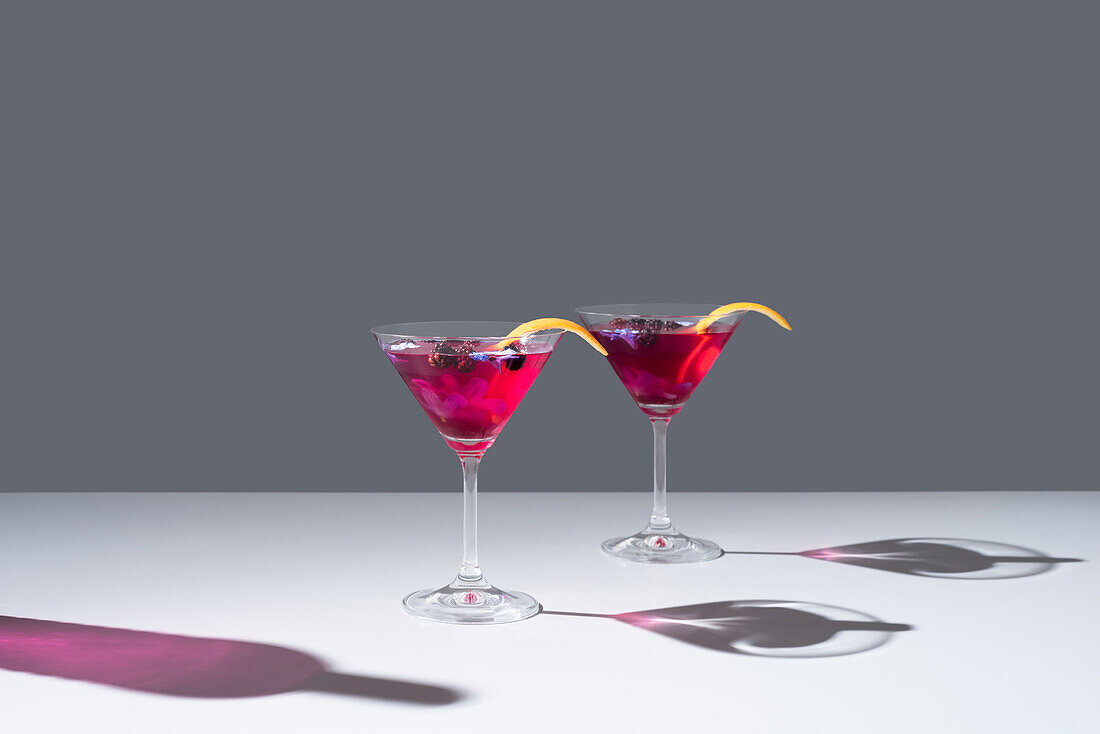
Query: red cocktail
x,y
660,362
468,377
468,388
661,352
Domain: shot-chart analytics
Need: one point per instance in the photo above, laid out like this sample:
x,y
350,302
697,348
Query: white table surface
x,y
324,574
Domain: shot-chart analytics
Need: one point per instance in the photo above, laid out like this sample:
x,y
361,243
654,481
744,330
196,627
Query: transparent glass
x,y
469,381
660,356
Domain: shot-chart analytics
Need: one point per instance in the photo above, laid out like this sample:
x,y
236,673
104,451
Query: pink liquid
x,y
469,404
661,368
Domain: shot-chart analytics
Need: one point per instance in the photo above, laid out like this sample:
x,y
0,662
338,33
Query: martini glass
x,y
660,357
469,380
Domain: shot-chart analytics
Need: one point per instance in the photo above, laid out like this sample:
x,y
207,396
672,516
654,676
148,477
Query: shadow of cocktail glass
x,y
762,628
950,558
194,667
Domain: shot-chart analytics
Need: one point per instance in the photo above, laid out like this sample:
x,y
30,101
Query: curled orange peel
x,y
705,323
548,324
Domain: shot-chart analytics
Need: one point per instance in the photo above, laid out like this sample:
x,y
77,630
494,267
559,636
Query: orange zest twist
x,y
547,324
704,324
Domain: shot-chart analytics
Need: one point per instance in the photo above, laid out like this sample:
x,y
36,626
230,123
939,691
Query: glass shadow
x,y
193,667
763,628
949,558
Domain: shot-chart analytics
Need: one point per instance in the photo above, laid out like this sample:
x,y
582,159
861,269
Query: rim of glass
x,y
468,330
652,310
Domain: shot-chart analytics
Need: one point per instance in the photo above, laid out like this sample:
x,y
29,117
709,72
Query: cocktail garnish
x,y
704,323
515,363
548,324
641,332
453,353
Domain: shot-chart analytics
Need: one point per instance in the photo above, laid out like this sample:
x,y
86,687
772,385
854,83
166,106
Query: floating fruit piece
x,y
729,308
517,362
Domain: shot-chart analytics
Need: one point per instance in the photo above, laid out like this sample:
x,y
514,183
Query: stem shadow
x,y
954,558
762,628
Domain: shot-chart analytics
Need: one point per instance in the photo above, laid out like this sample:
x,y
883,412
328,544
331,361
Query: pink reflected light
x,y
823,553
152,662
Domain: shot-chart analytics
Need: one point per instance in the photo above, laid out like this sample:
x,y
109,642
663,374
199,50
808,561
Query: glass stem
x,y
469,570
659,518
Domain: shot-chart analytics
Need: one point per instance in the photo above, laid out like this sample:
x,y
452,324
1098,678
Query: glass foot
x,y
665,545
465,602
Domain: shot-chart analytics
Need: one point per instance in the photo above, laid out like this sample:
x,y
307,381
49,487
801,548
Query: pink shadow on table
x,y
762,628
945,558
194,667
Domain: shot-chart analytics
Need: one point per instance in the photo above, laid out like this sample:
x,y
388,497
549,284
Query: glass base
x,y
661,545
470,602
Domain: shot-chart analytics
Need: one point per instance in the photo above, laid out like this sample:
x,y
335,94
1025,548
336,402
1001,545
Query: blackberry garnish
x,y
514,363
439,360
452,353
643,330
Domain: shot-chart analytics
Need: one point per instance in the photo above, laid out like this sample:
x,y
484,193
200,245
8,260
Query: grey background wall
x,y
206,205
